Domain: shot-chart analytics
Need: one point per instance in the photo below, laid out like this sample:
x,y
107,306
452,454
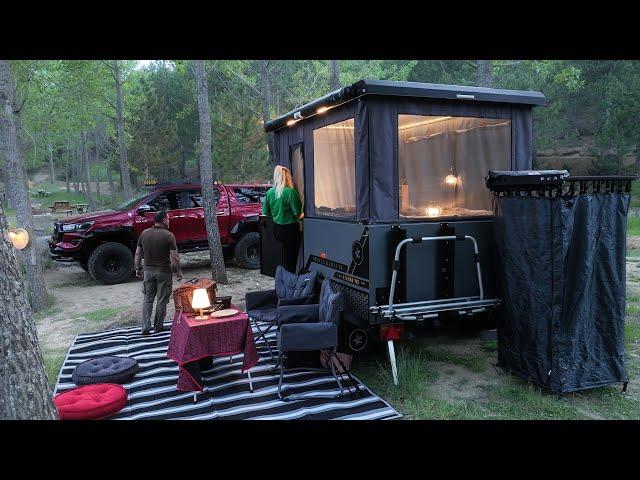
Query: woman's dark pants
x,y
289,236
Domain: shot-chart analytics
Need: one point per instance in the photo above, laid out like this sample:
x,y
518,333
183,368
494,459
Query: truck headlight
x,y
72,227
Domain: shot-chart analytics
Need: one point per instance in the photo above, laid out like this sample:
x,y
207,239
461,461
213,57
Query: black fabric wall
x,y
562,283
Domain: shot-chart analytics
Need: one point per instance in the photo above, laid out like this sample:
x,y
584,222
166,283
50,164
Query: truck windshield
x,y
126,205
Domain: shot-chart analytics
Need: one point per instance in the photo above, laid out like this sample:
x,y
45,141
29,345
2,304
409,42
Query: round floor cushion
x,y
91,402
105,370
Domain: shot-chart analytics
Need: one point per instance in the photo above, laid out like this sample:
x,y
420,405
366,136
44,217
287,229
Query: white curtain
x,y
430,148
334,169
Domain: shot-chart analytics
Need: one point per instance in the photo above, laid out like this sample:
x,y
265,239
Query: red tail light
x,y
391,331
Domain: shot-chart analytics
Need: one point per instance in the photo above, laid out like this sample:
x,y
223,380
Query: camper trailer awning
x,y
405,89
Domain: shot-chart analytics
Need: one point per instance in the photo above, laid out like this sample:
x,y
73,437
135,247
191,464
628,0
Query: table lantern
x,y
200,301
19,238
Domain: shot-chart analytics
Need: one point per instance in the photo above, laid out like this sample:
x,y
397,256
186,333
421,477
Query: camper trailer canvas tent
x,y
386,167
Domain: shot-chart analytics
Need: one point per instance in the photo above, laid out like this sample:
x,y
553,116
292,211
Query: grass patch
x,y
609,403
489,346
101,314
53,361
633,226
517,400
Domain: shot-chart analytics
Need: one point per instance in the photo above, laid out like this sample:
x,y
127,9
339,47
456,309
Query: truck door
x,y
195,214
169,201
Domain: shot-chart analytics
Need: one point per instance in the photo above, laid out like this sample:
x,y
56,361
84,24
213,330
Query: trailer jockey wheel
x,y
357,339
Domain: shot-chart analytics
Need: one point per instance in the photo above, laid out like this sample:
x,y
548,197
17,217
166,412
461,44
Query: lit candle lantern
x,y
433,211
19,238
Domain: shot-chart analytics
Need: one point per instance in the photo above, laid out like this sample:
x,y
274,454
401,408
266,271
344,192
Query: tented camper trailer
x,y
396,208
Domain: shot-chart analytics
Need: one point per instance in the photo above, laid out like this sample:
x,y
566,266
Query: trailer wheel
x,y
247,251
357,339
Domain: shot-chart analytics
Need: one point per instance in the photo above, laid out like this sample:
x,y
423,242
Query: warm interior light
x,y
433,211
322,109
451,180
200,301
291,122
424,122
19,238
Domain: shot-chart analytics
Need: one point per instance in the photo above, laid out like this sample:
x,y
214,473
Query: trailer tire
x,y
110,263
247,251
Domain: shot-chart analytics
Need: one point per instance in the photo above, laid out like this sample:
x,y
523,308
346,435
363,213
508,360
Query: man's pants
x,y
160,283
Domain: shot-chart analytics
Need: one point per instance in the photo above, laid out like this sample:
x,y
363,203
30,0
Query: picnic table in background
x,y
43,193
81,207
61,206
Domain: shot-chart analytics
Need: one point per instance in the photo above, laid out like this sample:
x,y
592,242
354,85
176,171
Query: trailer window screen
x,y
442,162
334,169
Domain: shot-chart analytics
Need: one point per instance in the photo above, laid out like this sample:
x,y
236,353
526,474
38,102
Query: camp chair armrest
x,y
298,314
261,299
304,300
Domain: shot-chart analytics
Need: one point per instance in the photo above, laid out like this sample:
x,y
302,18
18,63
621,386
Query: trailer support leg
x,y
392,360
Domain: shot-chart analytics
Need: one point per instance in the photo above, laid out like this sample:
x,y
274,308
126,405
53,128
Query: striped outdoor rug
x,y
153,394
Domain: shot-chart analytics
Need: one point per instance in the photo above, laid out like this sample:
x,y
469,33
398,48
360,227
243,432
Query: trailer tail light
x,y
391,331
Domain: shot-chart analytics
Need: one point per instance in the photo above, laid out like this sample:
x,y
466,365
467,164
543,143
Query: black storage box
x,y
561,253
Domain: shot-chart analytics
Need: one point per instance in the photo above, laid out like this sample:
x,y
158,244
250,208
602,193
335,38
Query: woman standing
x,y
282,203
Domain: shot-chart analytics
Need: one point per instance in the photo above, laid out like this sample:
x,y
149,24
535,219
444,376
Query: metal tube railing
x,y
396,262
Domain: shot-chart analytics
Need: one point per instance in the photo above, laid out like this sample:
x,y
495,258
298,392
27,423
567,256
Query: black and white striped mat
x,y
153,394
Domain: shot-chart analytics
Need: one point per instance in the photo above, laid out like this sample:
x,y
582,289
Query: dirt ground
x,y
80,305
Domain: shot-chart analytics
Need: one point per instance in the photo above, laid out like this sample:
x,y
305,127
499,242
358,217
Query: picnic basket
x,y
183,295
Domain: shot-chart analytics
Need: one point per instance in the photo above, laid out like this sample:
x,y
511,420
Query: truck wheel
x,y
111,263
247,251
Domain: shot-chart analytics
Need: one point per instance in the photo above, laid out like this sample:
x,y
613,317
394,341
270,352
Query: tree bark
x,y
53,172
266,108
66,167
87,175
124,169
334,80
25,393
18,190
206,175
484,76
96,162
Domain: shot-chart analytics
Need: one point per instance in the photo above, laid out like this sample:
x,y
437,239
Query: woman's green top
x,y
283,210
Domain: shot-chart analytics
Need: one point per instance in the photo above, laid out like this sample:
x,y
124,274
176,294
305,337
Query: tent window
x,y
442,162
334,169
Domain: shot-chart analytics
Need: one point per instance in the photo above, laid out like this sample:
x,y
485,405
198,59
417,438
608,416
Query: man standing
x,y
158,246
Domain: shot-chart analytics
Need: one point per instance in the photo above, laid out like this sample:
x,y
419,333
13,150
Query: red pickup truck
x,y
104,242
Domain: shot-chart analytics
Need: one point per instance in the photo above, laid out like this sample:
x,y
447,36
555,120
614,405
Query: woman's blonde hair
x,y
281,178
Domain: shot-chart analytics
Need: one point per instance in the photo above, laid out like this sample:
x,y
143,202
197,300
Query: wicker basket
x,y
183,295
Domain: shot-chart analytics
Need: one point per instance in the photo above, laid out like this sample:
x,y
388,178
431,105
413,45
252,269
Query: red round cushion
x,y
91,402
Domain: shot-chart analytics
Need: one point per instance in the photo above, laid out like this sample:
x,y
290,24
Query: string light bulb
x,y
19,238
451,180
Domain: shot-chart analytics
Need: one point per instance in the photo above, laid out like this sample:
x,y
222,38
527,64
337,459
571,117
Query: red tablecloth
x,y
194,340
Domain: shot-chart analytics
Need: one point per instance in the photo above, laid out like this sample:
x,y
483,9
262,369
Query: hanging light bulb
x,y
433,211
451,180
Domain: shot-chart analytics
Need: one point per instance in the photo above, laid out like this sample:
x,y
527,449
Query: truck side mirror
x,y
144,209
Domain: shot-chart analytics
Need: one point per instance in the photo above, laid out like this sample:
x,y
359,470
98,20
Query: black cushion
x,y
105,370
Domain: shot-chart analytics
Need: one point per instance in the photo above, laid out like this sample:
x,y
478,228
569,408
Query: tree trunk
x,y
18,190
334,80
66,167
206,175
25,393
266,108
53,172
484,74
112,188
124,169
96,162
87,175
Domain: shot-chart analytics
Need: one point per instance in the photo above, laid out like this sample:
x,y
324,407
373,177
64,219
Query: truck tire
x,y
247,251
110,263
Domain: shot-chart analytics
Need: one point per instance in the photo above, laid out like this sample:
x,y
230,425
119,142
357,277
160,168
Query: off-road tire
x,y
110,263
247,251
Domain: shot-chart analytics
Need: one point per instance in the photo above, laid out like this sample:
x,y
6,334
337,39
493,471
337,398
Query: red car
x,y
104,242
